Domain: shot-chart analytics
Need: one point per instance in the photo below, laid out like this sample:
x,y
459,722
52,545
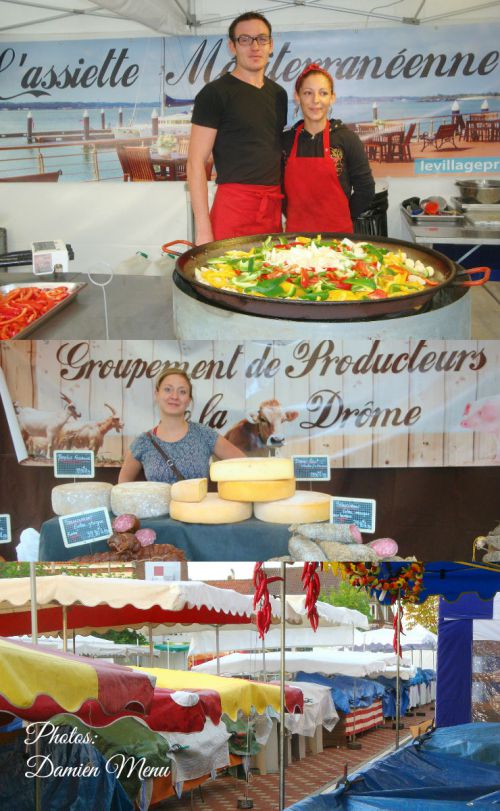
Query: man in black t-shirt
x,y
239,118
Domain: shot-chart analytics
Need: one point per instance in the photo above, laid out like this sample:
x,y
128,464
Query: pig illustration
x,y
484,415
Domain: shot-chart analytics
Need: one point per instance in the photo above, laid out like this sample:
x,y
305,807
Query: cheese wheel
x,y
304,507
256,491
212,510
189,490
80,496
252,469
143,499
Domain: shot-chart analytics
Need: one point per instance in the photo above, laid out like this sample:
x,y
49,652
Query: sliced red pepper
x,y
362,269
378,294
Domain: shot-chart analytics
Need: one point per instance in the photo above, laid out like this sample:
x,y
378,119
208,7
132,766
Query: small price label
x,y
5,535
74,464
82,528
311,468
358,511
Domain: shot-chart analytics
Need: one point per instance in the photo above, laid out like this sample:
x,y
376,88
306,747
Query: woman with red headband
x,y
327,178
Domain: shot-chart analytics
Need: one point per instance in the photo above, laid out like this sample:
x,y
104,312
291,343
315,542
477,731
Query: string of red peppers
x,y
261,598
398,625
312,586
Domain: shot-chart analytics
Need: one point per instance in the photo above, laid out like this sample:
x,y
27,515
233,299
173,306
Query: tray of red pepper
x,y
24,307
429,212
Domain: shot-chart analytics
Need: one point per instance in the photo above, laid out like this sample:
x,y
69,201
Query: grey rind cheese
x,y
143,499
80,496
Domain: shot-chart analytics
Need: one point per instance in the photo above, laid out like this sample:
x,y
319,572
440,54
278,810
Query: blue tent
x,y
447,770
451,579
467,591
454,658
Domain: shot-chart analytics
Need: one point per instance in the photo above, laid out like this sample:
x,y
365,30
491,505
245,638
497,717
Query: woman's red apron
x,y
315,198
239,209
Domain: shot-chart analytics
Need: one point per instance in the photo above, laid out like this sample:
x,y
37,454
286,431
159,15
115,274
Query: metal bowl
x,y
479,191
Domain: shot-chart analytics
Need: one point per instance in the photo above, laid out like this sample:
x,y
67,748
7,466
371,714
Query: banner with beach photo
x,y
370,403
68,103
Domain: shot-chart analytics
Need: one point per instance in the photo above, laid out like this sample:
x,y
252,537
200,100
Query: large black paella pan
x,y
446,272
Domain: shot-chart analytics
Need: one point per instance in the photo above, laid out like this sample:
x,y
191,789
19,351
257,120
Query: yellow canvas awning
x,y
34,678
235,694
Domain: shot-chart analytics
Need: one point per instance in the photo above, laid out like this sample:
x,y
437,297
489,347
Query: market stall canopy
x,y
336,627
35,679
203,642
95,603
89,646
340,663
171,711
382,639
488,630
329,614
449,579
236,695
169,17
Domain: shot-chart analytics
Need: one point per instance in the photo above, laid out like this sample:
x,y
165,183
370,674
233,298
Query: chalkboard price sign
x,y
5,536
358,511
311,468
82,528
74,464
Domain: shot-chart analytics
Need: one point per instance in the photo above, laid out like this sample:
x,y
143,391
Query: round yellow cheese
x,y
189,490
304,507
252,469
212,510
256,491
143,499
80,496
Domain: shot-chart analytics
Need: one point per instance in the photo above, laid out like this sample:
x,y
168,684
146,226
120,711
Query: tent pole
x,y
74,641
398,654
150,634
264,659
65,628
217,647
34,614
34,639
281,804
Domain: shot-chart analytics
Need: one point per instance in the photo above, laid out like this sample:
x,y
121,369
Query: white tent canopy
x,y
302,637
382,639
41,18
329,663
337,626
189,603
90,646
488,630
329,614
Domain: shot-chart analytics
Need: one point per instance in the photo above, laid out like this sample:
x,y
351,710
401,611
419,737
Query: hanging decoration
x,y
398,630
408,581
261,598
311,584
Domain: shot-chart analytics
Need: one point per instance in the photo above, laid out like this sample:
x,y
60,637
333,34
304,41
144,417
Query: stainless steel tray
x,y
73,289
476,219
482,207
432,219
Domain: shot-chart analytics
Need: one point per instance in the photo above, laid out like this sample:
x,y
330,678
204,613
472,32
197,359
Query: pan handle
x,y
469,271
167,249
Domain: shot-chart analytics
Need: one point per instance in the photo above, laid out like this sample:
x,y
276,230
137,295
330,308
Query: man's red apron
x,y
239,209
315,198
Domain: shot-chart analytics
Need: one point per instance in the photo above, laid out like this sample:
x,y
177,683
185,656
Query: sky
x,y
221,570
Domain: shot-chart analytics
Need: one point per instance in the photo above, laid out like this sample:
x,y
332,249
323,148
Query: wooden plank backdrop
x,y
38,372
323,442
459,390
391,445
426,440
